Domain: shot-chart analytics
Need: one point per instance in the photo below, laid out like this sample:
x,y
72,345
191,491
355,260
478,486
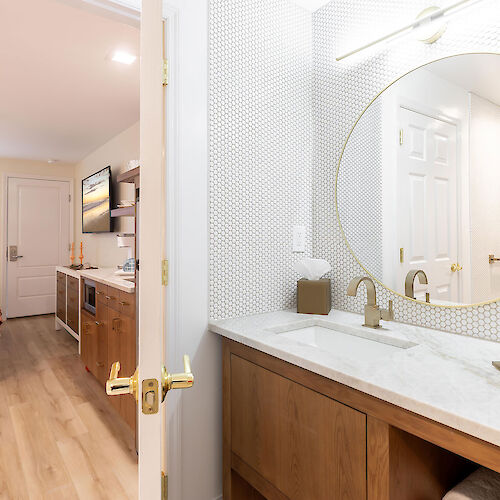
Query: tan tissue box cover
x,y
314,296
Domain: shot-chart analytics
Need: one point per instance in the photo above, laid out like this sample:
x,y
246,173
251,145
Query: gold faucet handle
x,y
178,380
388,314
125,385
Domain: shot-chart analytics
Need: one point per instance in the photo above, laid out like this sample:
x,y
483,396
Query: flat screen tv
x,y
96,202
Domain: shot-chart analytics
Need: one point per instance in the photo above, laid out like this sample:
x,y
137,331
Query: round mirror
x,y
418,183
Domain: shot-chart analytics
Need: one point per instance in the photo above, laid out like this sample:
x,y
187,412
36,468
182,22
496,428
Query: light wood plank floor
x,y
60,437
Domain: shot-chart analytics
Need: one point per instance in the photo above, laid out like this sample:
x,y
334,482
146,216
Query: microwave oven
x,y
89,296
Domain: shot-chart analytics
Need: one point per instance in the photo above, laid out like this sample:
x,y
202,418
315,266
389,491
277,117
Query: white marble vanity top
x,y
445,377
105,275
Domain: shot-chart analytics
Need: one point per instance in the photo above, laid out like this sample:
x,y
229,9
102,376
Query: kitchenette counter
x,y
105,275
445,377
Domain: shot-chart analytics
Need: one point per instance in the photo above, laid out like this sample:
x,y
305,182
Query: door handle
x,y
116,386
456,267
177,380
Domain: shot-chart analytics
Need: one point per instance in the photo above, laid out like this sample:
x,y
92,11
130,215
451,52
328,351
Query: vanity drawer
x,y
101,292
113,298
127,303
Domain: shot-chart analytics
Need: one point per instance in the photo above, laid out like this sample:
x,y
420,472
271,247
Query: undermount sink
x,y
343,341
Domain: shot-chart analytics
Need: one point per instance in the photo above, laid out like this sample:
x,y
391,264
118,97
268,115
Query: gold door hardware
x,y
164,486
164,79
492,259
177,380
401,137
456,267
150,396
164,272
401,255
126,385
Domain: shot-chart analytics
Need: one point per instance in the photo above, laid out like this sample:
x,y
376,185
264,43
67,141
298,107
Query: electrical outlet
x,y
299,239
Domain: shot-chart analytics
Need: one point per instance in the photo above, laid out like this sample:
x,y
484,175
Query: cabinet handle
x,y
116,325
99,364
98,323
107,297
98,293
124,303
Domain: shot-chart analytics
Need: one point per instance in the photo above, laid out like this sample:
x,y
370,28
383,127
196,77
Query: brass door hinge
x,y
164,272
164,77
401,255
400,136
164,486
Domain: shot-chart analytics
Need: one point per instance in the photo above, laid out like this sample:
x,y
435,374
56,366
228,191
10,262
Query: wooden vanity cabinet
x,y
290,434
110,336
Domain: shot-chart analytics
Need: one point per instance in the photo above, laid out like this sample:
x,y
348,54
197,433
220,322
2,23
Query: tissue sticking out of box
x,y
312,269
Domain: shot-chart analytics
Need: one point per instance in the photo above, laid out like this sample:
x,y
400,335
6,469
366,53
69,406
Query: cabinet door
x,y
114,353
306,444
61,296
88,340
100,370
128,357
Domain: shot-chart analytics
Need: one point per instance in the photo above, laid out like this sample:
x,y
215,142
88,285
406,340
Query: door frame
x,y
4,215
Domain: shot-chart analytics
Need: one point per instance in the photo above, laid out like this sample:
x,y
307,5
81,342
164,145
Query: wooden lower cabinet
x,y
305,444
110,336
290,434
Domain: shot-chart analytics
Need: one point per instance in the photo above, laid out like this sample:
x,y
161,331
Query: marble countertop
x,y
105,275
445,377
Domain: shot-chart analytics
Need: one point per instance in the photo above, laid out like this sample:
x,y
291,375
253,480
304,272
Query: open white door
x,y
151,334
150,383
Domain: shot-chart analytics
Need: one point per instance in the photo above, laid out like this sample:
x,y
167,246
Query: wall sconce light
x,y
429,30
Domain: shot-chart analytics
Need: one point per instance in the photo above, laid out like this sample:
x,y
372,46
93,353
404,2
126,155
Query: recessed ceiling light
x,y
123,57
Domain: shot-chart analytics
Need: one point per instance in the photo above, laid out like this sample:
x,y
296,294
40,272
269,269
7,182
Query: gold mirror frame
x,y
460,306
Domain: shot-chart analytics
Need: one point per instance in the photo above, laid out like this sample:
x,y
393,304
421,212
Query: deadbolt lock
x,y
177,380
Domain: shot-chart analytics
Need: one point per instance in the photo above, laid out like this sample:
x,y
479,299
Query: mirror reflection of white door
x,y
427,210
38,224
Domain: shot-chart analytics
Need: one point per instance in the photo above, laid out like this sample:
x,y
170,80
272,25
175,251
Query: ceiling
x,y
61,95
477,73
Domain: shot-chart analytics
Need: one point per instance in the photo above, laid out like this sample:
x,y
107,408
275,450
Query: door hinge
x,y
69,198
164,486
164,272
400,136
401,255
164,73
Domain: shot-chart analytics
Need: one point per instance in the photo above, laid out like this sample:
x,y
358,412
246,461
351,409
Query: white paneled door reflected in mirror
x,y
418,183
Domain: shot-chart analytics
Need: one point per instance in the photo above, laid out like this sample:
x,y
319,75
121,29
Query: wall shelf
x,y
123,212
129,176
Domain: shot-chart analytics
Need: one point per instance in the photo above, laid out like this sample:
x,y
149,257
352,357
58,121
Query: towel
x,y
483,484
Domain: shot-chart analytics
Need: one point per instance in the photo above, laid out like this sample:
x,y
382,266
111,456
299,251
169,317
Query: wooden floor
x,y
59,435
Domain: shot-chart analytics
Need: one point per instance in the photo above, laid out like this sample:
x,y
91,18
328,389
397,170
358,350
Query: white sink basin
x,y
343,341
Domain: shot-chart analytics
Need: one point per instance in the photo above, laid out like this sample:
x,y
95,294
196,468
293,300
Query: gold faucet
x,y
373,313
410,283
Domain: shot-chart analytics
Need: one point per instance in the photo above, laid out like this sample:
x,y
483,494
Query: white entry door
x,y
38,232
427,203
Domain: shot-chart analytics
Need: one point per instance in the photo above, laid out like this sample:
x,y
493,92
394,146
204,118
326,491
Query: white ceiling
x,y
477,73
60,95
